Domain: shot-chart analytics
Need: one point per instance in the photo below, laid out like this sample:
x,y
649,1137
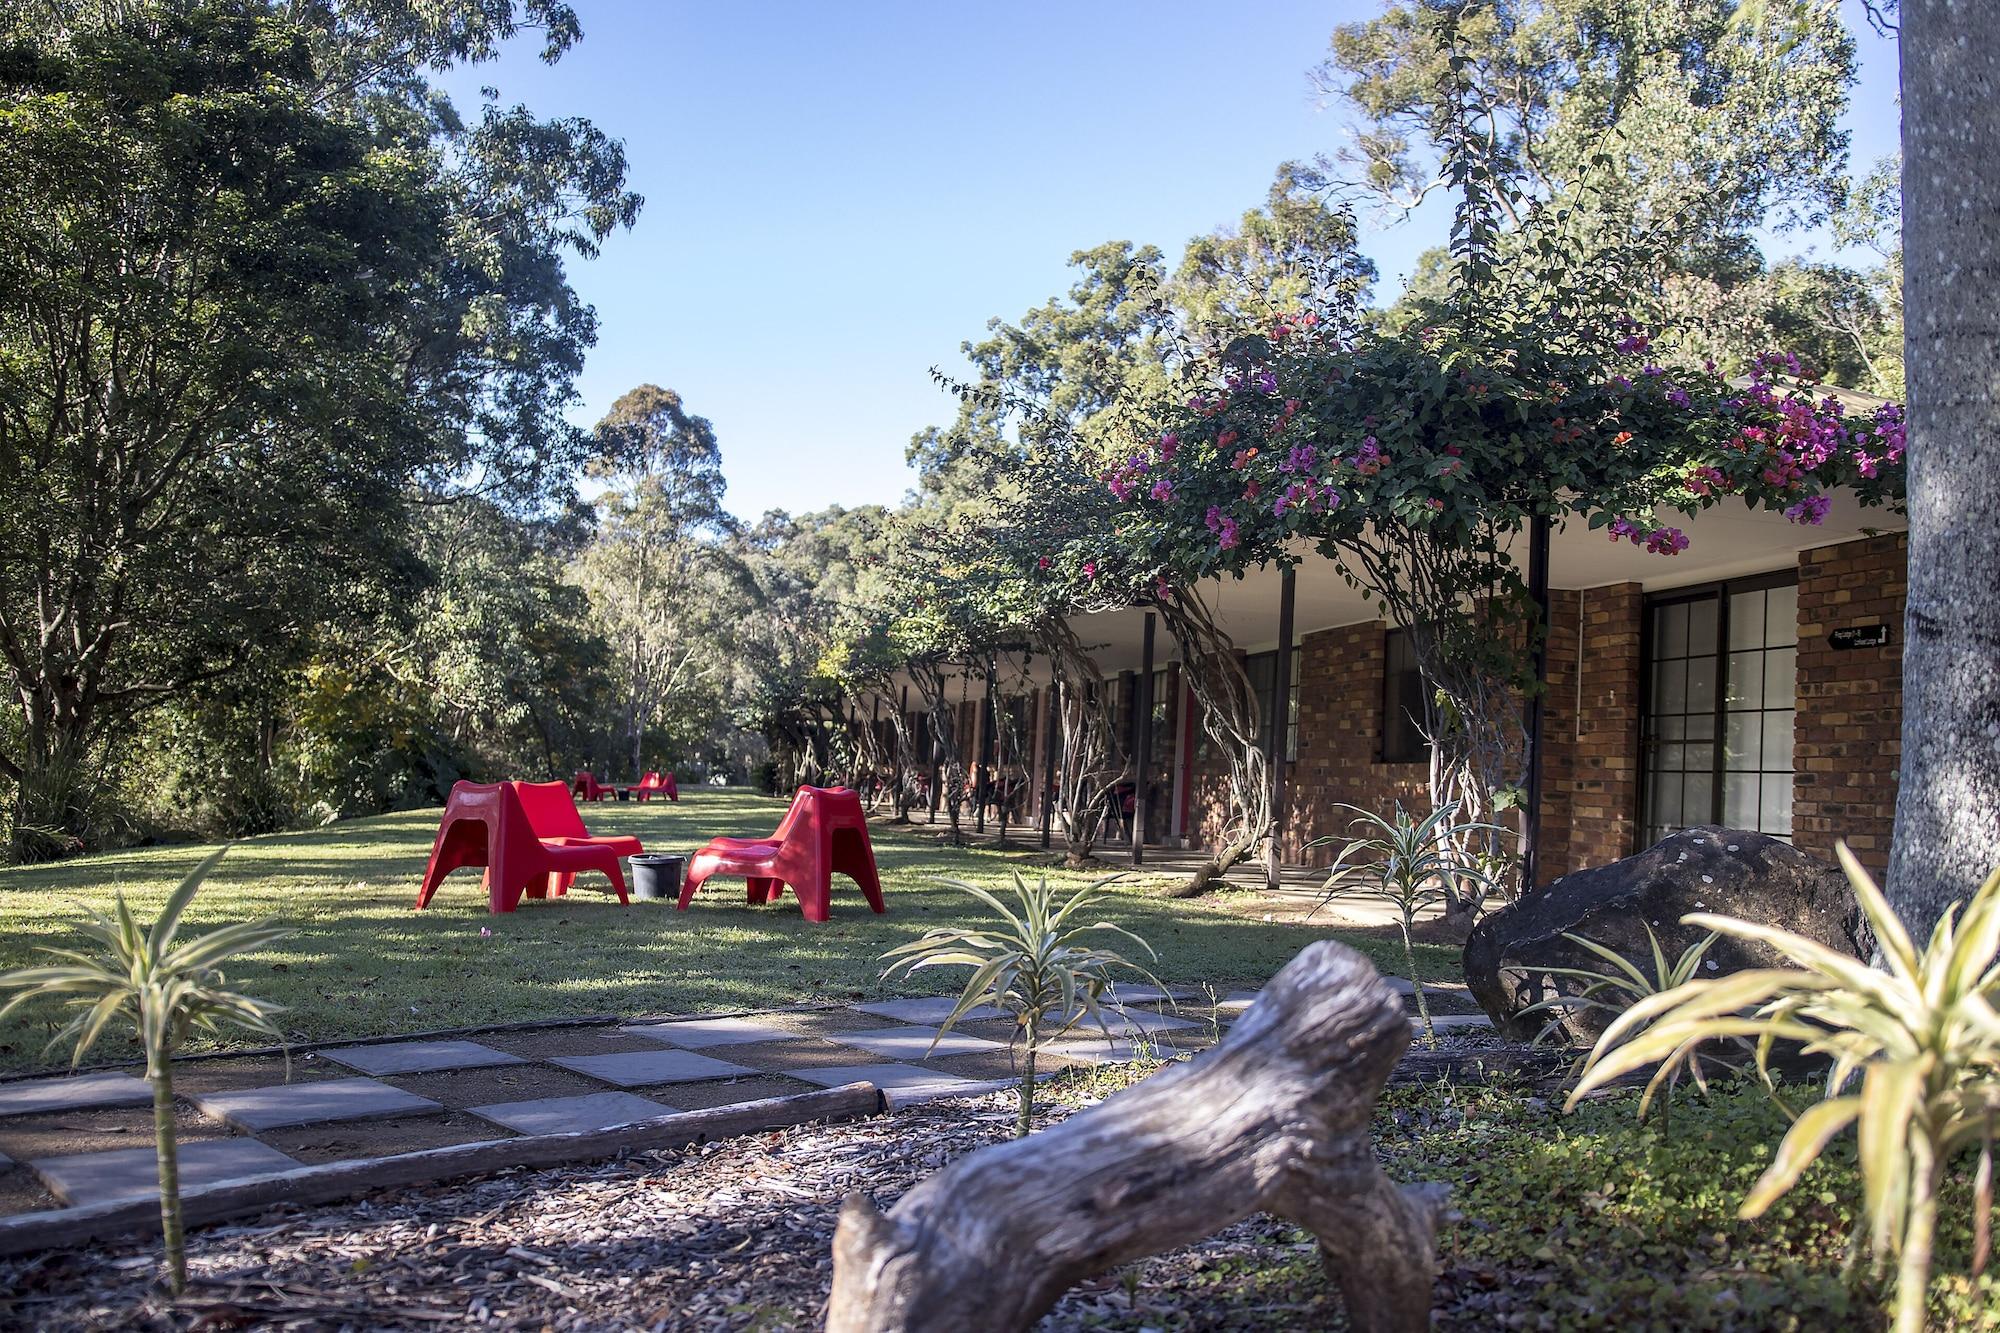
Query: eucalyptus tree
x,y
261,288
660,548
1947,832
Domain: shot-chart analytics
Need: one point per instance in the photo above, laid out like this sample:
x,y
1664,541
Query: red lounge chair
x,y
824,831
529,837
586,787
654,782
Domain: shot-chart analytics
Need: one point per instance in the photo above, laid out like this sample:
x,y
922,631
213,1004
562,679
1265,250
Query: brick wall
x,y
1340,739
1848,733
1597,769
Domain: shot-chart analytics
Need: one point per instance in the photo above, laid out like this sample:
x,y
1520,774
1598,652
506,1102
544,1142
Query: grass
x,y
364,964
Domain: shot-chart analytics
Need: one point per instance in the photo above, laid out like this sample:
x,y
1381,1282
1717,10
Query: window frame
x,y
1720,590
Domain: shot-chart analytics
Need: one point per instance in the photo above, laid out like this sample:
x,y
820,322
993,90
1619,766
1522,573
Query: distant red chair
x,y
653,783
528,836
825,831
585,787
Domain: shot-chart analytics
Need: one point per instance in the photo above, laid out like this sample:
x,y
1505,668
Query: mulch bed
x,y
730,1235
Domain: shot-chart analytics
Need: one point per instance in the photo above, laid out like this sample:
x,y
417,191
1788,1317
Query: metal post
x,y
1531,811
1281,701
1142,746
1051,732
984,786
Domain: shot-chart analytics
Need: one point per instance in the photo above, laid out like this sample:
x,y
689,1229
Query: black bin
x,y
656,875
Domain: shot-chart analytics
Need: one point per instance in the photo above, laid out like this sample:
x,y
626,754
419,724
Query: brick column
x,y
1848,732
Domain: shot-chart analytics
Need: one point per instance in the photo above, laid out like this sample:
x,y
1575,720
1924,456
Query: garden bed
x,y
1584,1221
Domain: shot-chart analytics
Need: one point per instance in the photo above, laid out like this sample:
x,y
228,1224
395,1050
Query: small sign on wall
x,y
1860,636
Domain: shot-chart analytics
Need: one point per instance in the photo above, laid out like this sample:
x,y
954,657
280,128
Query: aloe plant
x,y
1034,965
1915,1051
168,994
1408,864
1622,985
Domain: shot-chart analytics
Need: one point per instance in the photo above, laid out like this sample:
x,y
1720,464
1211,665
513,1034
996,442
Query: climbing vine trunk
x,y
1229,714
1947,837
1090,761
929,676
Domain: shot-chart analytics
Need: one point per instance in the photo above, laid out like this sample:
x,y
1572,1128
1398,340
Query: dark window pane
x,y
1403,700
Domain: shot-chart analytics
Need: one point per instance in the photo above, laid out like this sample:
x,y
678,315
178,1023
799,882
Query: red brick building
x,y
1753,680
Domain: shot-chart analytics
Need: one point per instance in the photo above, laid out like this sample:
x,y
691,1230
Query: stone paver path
x,y
636,1069
556,1079
81,1093
931,1009
697,1034
311,1103
134,1173
420,1057
917,1043
570,1115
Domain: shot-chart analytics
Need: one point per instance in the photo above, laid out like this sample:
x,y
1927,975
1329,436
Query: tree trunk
x,y
1947,836
1274,1119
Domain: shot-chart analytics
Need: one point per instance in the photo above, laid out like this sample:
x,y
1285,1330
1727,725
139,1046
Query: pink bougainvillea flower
x,y
1163,489
1811,510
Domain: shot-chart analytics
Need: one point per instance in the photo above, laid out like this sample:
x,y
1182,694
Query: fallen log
x,y
1273,1119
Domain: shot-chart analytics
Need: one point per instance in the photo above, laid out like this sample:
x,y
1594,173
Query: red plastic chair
x,y
825,831
654,782
529,838
586,787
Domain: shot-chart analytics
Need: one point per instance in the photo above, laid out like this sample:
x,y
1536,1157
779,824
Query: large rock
x,y
1705,869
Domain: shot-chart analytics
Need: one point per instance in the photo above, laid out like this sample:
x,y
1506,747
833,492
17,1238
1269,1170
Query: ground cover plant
x,y
361,963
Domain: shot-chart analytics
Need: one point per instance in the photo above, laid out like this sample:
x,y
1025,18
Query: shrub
x,y
1920,1034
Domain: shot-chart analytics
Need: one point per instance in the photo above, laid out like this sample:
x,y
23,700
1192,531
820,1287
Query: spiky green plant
x,y
1408,864
1033,964
1621,986
1920,1033
168,994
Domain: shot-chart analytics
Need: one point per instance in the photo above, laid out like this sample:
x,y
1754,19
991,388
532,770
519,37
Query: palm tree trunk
x,y
168,1156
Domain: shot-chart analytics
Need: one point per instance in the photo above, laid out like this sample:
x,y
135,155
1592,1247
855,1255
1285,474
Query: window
x,y
1722,666
1403,696
1262,668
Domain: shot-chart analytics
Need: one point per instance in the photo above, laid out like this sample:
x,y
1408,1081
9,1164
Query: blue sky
x,y
837,196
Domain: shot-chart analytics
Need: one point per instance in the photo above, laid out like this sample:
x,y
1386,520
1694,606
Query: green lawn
x,y
365,964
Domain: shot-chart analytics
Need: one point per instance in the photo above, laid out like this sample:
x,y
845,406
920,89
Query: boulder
x,y
1703,869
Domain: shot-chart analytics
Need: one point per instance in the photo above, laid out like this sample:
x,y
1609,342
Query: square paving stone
x,y
1126,1022
1095,1050
134,1173
902,1083
1120,993
81,1093
698,1033
420,1057
637,1068
914,1043
570,1115
930,1009
1452,1021
253,1109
